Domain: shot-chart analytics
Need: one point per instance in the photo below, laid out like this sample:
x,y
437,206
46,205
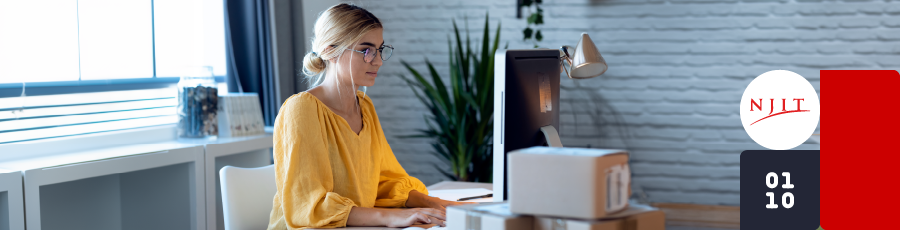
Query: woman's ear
x,y
331,60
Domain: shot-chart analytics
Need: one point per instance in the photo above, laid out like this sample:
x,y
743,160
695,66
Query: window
x,y
71,67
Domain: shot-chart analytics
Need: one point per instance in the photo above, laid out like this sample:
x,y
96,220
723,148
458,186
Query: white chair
x,y
247,196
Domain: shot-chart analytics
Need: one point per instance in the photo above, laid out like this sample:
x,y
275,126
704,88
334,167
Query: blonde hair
x,y
340,26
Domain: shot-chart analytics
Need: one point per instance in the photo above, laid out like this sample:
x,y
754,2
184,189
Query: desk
x,y
439,186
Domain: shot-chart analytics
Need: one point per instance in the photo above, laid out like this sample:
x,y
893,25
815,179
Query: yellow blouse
x,y
323,168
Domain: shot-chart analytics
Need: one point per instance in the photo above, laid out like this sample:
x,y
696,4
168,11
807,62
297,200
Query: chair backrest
x,y
247,196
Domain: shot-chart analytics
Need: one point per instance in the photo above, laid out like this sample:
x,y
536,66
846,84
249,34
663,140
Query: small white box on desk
x,y
486,216
568,182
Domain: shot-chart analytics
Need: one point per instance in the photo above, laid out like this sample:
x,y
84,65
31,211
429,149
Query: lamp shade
x,y
584,60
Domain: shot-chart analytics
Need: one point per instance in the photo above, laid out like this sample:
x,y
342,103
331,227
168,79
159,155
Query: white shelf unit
x,y
12,209
245,152
143,186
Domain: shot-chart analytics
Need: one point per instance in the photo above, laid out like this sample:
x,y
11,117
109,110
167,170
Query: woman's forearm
x,y
360,216
416,199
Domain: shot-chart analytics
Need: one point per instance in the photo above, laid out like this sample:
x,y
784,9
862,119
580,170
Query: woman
x,y
334,167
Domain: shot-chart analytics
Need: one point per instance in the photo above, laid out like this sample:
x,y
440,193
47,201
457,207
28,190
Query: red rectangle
x,y
860,169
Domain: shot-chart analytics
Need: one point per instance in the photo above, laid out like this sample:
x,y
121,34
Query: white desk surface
x,y
89,156
234,145
439,186
223,140
121,151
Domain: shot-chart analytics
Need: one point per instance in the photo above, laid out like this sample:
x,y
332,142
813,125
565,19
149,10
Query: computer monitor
x,y
526,98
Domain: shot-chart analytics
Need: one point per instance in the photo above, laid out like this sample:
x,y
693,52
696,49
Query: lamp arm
x,y
566,58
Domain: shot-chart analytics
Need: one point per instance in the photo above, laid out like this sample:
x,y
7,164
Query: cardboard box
x,y
568,182
636,217
486,216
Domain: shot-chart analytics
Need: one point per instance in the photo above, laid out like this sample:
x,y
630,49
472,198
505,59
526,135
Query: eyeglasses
x,y
369,53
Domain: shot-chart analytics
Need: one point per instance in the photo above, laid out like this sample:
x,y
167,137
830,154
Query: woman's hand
x,y
396,218
420,200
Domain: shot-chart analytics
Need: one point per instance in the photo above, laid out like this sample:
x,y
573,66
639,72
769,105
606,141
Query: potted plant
x,y
460,116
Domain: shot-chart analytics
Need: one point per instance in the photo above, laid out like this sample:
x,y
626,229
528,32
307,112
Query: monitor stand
x,y
551,136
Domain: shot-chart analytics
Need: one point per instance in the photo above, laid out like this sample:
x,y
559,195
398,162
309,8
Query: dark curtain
x,y
249,51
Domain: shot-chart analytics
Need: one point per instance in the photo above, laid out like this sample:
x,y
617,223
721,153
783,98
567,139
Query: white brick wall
x,y
677,70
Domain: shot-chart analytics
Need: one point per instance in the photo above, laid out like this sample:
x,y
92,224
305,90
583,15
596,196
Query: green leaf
x,y
485,92
528,32
461,66
412,85
442,152
428,90
466,77
485,52
438,83
532,18
527,2
471,100
460,56
448,175
538,36
538,18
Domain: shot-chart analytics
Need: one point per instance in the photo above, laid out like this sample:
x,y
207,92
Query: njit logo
x,y
780,109
772,107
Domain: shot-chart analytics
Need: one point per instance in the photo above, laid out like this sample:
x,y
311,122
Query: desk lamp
x,y
584,61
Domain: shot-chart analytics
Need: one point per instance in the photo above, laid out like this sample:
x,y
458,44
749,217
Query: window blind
x,y
40,117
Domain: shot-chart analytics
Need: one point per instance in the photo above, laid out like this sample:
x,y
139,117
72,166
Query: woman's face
x,y
352,65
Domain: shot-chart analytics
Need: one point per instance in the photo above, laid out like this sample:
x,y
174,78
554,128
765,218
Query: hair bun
x,y
313,64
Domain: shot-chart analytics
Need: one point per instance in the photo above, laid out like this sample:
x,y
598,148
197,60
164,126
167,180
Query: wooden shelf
x,y
696,215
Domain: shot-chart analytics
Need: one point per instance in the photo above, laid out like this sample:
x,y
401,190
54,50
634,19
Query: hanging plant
x,y
535,19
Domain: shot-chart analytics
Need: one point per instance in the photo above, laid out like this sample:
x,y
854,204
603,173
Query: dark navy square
x,y
803,166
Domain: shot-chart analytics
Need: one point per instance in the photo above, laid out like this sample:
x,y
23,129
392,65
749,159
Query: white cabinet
x,y
165,185
12,211
146,186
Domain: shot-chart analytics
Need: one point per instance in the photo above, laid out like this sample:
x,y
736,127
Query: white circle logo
x,y
780,109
